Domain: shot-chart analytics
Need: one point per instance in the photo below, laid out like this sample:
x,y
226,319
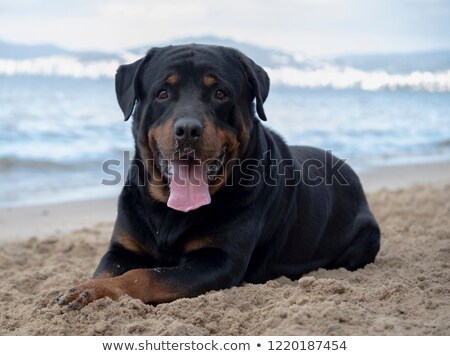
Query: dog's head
x,y
193,113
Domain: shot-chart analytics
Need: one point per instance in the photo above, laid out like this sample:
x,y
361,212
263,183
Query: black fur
x,y
253,230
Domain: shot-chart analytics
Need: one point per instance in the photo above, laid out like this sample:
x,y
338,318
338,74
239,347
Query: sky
x,y
315,27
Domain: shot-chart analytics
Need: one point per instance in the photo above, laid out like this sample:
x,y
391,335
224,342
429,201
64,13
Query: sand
x,y
405,292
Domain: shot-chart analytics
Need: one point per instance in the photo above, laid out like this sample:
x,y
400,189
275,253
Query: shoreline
x,y
404,176
20,222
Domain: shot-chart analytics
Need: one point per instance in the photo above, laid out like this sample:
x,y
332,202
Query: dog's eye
x,y
163,94
220,95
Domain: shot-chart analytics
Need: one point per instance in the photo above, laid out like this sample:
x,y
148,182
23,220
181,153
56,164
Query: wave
x,y
325,76
350,78
60,66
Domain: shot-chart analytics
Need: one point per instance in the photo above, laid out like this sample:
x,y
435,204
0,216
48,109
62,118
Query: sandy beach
x,y
46,249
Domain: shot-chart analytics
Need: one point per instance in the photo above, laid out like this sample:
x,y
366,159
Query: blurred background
x,y
369,80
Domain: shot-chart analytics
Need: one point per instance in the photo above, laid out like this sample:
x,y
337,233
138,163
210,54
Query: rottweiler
x,y
213,197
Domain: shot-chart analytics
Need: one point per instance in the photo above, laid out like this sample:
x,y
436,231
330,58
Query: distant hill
x,y
268,57
264,56
21,51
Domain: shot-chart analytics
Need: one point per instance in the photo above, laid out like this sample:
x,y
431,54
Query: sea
x,y
60,122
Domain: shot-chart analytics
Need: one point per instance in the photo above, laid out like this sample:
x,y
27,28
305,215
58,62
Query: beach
x,y
47,249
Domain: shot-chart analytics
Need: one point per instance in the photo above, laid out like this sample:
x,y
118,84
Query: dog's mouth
x,y
189,178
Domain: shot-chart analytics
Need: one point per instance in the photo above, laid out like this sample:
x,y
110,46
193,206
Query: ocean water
x,y
57,130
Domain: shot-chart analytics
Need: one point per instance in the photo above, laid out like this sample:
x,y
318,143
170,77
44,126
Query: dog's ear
x,y
127,84
259,81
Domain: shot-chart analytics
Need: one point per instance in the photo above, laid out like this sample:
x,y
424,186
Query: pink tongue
x,y
188,187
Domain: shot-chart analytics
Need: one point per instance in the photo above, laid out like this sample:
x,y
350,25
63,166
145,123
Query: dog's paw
x,y
85,293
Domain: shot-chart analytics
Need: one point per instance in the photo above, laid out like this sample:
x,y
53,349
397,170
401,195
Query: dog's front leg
x,y
200,272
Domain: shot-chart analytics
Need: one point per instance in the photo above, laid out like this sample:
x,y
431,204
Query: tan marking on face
x,y
230,139
216,138
209,140
172,79
157,188
159,192
209,81
160,138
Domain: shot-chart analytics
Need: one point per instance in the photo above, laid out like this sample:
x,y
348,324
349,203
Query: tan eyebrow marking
x,y
172,79
209,80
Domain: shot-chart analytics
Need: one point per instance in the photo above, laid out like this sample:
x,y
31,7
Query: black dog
x,y
213,197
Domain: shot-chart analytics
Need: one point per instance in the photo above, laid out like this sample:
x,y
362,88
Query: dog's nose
x,y
187,129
